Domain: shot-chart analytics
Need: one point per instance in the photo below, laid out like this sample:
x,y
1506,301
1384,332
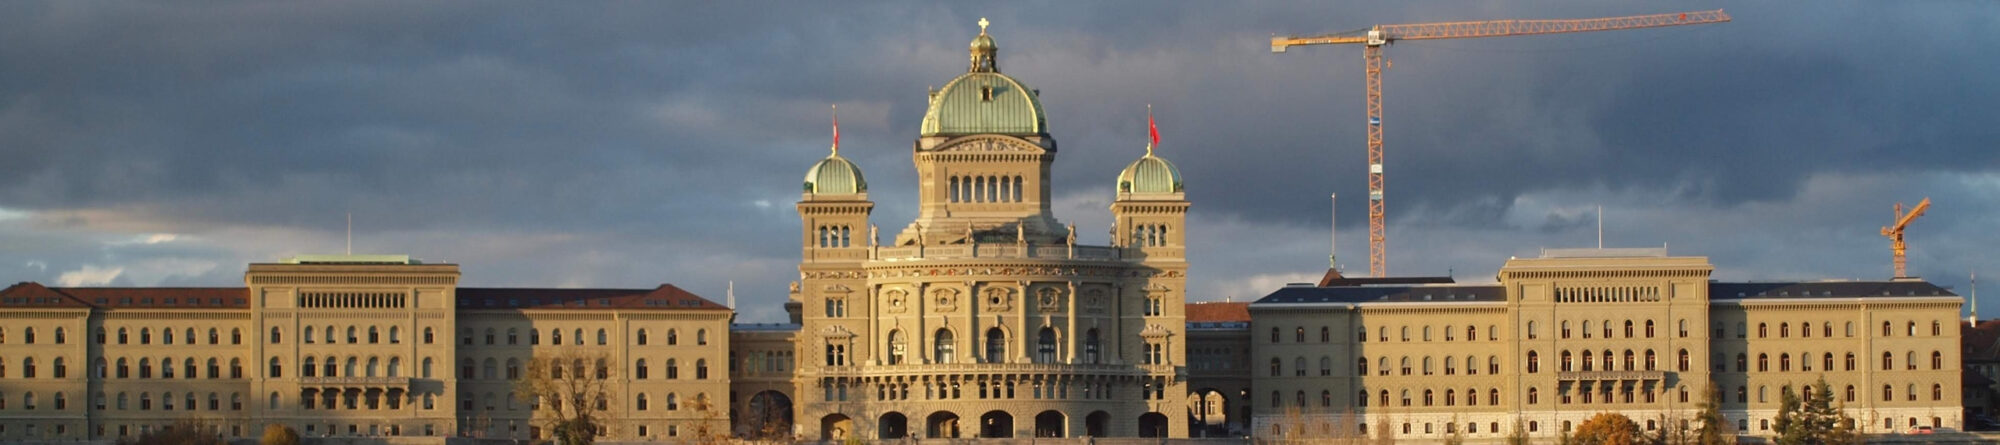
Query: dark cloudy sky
x,y
635,143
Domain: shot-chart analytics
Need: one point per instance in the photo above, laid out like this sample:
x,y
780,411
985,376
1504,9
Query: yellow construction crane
x,y
1377,36
1895,233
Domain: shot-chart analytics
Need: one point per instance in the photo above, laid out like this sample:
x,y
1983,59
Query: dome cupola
x,y
835,175
983,101
1150,174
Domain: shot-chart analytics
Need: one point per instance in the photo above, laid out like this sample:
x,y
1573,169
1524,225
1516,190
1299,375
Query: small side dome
x,y
835,175
1150,174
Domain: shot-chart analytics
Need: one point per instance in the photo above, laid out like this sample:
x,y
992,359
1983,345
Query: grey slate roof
x,y
1716,291
1376,294
1826,289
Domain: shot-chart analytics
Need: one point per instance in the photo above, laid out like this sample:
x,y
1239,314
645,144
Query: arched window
x,y
673,337
308,339
700,337
1763,362
1888,361
1299,334
1361,366
1534,362
396,335
603,338
898,347
1274,334
1045,345
1325,335
1937,360
1534,396
277,370
1628,329
308,368
642,337
1299,366
701,368
1277,367
1564,364
946,348
1684,361
1091,345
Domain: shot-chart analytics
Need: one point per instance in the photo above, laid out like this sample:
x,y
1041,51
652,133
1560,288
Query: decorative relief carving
x,y
898,301
946,299
1049,299
999,299
991,145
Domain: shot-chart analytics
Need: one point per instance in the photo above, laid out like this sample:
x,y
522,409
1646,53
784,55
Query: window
x,y
700,337
1937,360
1091,346
603,338
1299,334
1888,361
1683,363
275,337
1534,362
946,348
1274,335
277,370
1045,344
1325,335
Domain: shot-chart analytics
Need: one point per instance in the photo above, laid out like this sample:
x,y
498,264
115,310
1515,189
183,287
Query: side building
x,y
1580,331
353,346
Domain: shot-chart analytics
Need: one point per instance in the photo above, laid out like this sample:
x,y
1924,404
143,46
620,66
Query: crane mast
x,y
1895,233
1374,38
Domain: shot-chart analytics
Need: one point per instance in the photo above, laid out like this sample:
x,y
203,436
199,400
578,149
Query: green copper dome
x,y
1150,174
835,175
983,101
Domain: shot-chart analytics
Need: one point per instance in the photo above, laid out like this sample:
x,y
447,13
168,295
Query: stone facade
x,y
1578,332
983,317
349,346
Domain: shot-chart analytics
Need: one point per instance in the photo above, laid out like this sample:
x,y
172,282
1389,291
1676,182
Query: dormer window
x,y
986,94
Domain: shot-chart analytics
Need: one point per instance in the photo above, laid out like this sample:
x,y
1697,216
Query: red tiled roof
x,y
664,297
1213,312
32,294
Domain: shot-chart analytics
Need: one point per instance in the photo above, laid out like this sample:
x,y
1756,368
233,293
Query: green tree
x,y
1813,419
1608,429
275,434
1714,427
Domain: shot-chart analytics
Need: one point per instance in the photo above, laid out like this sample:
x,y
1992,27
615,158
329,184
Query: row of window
x,y
354,335
166,336
1005,389
1361,333
513,337
984,189
1382,367
1888,361
1805,329
102,369
189,402
1609,329
944,348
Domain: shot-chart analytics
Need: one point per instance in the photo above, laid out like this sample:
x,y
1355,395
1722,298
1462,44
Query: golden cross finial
x,y
836,129
982,25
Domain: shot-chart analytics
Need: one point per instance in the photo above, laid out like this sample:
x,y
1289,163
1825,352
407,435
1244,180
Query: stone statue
x,y
874,237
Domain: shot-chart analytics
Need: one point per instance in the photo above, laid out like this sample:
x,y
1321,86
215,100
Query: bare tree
x,y
570,390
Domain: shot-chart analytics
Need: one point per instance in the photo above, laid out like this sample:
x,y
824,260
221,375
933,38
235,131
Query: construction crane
x,y
1895,233
1379,36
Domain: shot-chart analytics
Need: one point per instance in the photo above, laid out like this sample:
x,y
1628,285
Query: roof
x,y
1386,293
835,175
1150,174
30,294
1217,312
1826,289
664,297
1981,341
982,103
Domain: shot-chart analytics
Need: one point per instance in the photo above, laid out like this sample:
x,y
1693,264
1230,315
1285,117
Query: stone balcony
x,y
386,382
995,369
1611,376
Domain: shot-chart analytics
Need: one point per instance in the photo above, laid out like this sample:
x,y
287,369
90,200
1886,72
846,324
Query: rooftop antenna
x,y
1974,319
350,233
732,294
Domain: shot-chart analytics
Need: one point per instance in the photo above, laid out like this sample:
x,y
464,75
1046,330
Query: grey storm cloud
x,y
628,144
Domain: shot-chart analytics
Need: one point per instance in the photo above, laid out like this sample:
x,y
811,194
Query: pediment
x,y
989,144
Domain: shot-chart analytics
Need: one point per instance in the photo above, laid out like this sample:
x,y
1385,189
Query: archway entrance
x,y
1050,424
770,416
835,427
1153,425
892,426
996,424
1208,413
941,425
1094,424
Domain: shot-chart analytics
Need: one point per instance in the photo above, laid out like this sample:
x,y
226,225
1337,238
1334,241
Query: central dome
x,y
983,101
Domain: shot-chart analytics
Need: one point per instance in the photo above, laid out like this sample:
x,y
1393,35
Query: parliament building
x,y
981,318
